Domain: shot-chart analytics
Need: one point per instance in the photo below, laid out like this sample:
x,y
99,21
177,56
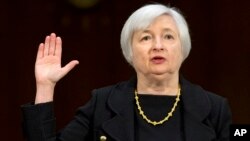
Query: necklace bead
x,y
170,114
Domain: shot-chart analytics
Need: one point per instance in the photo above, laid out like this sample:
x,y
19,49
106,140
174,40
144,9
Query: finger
x,y
40,51
69,66
52,44
46,46
58,48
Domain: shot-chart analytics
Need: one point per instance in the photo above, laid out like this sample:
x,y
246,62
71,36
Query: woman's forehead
x,y
165,23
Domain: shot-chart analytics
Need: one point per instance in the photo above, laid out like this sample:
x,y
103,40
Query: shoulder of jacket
x,y
211,96
214,99
106,90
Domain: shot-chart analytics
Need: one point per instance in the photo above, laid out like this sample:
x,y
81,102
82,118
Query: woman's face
x,y
157,49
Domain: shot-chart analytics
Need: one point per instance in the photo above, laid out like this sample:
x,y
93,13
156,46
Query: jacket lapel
x,y
196,107
195,103
121,101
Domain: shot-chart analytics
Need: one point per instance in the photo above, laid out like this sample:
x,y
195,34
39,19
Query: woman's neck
x,y
158,85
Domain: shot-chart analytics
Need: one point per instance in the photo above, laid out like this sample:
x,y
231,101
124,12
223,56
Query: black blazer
x,y
110,113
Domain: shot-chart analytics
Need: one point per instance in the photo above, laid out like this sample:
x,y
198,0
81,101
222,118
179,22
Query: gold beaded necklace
x,y
141,112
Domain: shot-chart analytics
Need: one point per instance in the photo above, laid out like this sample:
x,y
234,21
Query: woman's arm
x,y
38,117
48,70
39,123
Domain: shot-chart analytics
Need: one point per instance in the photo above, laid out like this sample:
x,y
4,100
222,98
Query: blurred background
x,y
219,60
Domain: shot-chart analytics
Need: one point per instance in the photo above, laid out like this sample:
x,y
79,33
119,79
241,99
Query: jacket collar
x,y
196,108
195,101
121,101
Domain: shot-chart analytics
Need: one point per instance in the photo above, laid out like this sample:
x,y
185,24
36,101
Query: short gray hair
x,y
143,17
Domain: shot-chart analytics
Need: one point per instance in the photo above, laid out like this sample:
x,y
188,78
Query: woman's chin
x,y
162,73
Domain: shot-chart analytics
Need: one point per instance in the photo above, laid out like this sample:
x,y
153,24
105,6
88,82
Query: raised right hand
x,y
48,70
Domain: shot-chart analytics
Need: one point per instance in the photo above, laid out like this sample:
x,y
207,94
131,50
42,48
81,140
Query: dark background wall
x,y
219,59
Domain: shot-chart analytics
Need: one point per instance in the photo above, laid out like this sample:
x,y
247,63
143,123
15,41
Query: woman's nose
x,y
158,45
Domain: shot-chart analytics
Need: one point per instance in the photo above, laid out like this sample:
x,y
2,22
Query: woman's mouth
x,y
158,59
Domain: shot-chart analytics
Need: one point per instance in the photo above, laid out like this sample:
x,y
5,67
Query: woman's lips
x,y
158,59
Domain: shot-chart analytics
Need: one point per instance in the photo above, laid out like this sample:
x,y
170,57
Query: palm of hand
x,y
48,68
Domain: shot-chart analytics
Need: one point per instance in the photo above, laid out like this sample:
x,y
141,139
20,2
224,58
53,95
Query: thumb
x,y
69,66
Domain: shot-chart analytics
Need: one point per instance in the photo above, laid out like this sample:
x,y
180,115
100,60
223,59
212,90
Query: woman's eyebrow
x,y
168,30
146,31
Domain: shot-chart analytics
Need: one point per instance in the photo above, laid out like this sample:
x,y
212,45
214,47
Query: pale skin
x,y
157,57
48,69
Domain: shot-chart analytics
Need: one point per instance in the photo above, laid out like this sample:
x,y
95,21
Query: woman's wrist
x,y
44,93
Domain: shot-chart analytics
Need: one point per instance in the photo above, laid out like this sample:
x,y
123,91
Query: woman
x,y
158,104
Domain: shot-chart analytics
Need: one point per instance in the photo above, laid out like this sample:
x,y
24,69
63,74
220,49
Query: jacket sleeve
x,y
39,123
221,118
224,121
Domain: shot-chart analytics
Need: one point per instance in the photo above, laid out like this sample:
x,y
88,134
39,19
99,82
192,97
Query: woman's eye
x,y
145,38
169,37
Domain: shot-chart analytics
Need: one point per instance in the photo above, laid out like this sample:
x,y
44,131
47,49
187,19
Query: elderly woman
x,y
156,105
